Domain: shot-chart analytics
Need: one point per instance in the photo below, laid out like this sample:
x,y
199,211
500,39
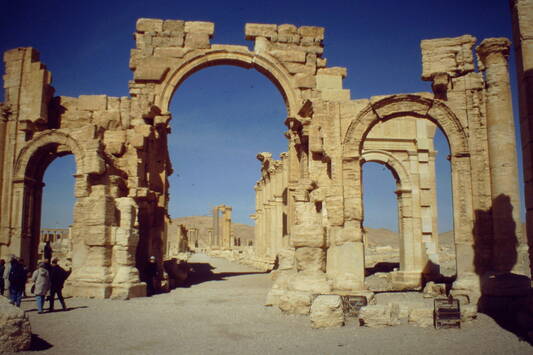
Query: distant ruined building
x,y
309,209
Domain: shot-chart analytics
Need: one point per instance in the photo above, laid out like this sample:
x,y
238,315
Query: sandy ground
x,y
223,313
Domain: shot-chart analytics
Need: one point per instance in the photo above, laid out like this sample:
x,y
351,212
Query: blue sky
x,y
224,116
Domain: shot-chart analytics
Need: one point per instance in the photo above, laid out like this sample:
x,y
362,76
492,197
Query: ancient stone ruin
x,y
309,209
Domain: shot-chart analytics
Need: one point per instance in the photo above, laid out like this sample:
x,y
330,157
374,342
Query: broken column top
x,y
490,46
452,56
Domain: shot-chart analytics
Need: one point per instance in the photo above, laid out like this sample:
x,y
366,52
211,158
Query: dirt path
x,y
225,315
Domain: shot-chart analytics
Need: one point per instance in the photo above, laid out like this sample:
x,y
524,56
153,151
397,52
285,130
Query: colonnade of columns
x,y
271,216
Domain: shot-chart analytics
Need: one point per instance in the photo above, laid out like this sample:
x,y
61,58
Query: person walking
x,y
2,282
58,275
41,285
17,282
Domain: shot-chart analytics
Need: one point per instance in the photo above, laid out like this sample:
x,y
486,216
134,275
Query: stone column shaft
x,y
493,53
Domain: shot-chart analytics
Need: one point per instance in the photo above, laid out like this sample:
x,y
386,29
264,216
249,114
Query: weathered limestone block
x,y
286,259
92,102
421,317
335,95
310,259
447,55
294,302
326,312
305,81
107,119
312,32
151,69
287,29
114,142
200,27
253,30
15,329
174,25
197,40
335,71
295,68
312,282
308,236
377,316
328,82
149,25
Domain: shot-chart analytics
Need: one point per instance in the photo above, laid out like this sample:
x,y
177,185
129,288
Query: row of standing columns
x,y
271,216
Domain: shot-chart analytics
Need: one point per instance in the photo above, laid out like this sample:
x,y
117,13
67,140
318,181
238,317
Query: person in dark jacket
x,y
58,275
17,282
47,251
152,274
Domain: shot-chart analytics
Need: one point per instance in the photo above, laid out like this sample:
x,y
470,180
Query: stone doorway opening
x,y
37,203
213,153
407,146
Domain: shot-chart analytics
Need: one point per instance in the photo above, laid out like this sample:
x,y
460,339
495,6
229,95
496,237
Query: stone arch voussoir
x,y
385,108
392,162
43,140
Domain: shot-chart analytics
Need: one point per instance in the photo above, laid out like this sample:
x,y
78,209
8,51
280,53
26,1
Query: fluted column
x,y
508,236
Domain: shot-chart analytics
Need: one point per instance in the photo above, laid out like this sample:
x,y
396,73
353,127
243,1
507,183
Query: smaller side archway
x,y
423,107
408,261
30,166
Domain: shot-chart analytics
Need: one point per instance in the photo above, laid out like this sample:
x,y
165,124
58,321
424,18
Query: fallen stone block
x,y
15,329
294,302
326,312
377,316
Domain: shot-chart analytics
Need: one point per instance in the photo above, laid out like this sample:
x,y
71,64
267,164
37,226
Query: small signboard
x,y
447,313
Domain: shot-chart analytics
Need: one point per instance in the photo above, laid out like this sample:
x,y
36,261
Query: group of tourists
x,y
47,279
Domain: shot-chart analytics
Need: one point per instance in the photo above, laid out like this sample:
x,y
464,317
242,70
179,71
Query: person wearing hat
x,y
151,273
41,285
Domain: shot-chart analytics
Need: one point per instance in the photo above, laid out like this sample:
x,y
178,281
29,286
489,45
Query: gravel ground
x,y
223,313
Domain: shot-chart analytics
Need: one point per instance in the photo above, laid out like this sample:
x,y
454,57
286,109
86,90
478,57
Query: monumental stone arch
x,y
309,205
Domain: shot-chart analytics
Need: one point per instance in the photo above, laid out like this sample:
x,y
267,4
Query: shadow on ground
x,y
188,274
39,344
57,310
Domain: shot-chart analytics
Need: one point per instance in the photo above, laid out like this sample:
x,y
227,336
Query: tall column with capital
x,y
522,11
509,248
